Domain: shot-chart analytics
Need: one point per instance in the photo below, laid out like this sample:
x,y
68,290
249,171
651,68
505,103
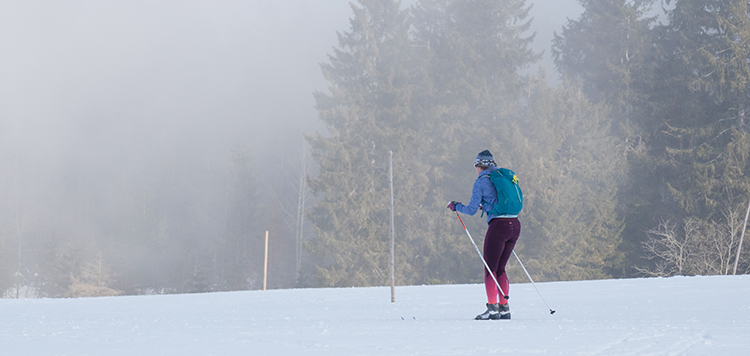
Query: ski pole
x,y
492,274
532,283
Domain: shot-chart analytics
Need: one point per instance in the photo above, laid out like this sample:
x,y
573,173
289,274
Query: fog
x,y
106,103
123,80
549,16
108,109
127,78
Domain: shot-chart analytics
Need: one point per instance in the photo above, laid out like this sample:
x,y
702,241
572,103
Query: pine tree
x,y
571,170
710,42
701,95
369,76
475,50
700,154
609,51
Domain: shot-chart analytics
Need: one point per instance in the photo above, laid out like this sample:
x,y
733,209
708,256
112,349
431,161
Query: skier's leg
x,y
511,230
502,277
493,249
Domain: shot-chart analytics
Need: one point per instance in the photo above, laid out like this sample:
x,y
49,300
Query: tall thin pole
x,y
265,263
20,242
300,213
742,237
393,234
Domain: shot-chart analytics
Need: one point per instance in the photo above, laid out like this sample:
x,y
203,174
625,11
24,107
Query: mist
x,y
126,80
120,121
112,109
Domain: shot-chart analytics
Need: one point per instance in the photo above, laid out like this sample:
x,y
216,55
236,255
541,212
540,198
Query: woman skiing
x,y
502,231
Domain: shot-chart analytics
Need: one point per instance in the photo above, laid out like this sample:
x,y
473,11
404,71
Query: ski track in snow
x,y
658,316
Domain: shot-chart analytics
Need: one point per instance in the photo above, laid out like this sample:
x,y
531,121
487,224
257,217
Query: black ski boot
x,y
503,311
492,313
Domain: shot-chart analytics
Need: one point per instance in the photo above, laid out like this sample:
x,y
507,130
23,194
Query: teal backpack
x,y
509,195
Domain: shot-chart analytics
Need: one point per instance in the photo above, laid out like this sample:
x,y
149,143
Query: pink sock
x,y
493,295
491,288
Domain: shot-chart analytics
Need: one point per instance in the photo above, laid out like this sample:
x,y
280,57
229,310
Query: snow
x,y
656,316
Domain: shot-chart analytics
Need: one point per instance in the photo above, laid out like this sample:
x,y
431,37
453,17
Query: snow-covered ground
x,y
660,316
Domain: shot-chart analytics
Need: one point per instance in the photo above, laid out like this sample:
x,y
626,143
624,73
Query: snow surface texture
x,y
659,316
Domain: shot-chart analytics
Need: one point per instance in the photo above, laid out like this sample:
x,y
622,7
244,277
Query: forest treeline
x,y
636,164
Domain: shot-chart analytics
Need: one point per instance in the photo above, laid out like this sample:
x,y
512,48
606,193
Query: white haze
x,y
125,78
101,102
89,80
549,16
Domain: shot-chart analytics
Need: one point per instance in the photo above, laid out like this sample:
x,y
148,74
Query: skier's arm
x,y
476,199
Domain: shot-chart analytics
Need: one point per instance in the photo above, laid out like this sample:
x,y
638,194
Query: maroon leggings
x,y
501,237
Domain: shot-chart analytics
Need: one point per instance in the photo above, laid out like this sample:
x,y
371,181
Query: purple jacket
x,y
482,192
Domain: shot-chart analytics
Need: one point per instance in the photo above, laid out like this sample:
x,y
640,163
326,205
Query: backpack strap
x,y
484,201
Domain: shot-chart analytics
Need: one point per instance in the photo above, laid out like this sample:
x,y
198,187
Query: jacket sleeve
x,y
476,199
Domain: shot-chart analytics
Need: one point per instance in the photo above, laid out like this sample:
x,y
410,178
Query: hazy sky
x,y
118,80
153,73
549,16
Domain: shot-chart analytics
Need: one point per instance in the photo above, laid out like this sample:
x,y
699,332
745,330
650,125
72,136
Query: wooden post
x,y
742,237
265,263
393,239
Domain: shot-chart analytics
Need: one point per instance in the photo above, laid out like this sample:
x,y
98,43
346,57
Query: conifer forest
x,y
636,163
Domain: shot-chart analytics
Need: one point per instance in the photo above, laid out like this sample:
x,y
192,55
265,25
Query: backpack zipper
x,y
518,194
515,185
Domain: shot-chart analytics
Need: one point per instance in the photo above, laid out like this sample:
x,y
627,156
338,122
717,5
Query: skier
x,y
502,233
